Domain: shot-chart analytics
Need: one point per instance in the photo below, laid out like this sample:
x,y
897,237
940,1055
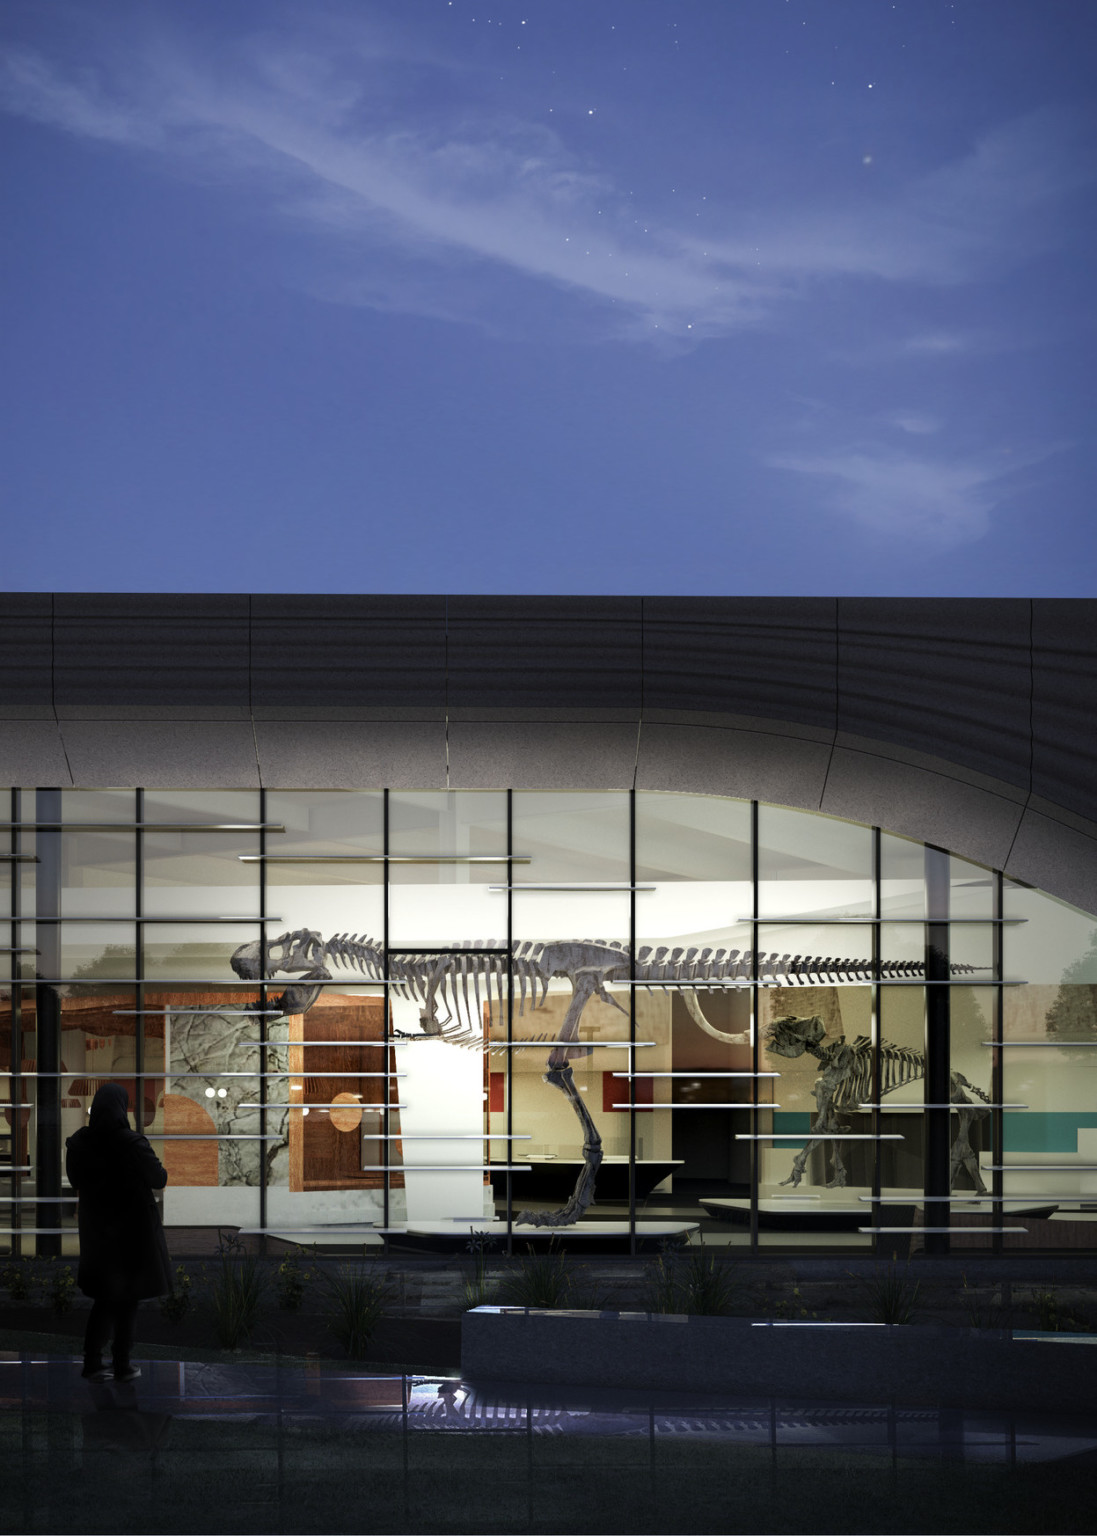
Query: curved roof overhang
x,y
964,722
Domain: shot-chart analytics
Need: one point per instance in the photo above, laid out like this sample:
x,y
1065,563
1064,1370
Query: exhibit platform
x,y
839,1211
608,1236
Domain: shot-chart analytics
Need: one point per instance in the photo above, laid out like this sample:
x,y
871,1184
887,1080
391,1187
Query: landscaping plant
x,y
707,1287
479,1290
235,1293
546,1280
891,1294
661,1292
693,1281
292,1280
984,1311
358,1302
176,1304
17,1279
61,1286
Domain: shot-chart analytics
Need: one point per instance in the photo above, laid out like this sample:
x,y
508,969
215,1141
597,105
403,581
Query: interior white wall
x,y
443,1092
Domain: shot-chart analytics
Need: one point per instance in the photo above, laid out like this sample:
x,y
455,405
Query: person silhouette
x,y
123,1254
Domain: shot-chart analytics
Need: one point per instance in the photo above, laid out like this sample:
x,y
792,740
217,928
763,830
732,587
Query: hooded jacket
x,y
114,1172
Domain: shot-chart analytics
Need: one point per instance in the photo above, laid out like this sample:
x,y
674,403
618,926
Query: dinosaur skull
x,y
302,950
791,1036
247,961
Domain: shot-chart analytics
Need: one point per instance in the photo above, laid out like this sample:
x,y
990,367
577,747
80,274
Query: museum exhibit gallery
x,y
602,921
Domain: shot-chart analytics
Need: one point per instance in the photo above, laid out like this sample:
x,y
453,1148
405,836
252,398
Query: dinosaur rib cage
x,y
899,1065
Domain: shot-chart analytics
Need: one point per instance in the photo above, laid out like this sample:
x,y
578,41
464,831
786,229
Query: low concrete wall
x,y
941,1366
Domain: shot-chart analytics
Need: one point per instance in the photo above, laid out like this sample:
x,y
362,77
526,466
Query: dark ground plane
x,y
228,1443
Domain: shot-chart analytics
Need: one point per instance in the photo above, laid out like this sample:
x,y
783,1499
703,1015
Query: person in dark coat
x,y
123,1255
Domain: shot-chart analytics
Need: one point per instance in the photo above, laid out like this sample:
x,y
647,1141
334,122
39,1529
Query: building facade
x,y
614,920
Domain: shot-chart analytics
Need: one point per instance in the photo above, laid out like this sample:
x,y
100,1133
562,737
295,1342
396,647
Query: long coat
x,y
114,1171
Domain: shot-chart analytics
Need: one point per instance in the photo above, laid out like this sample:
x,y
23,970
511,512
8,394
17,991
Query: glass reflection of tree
x,y
1073,1014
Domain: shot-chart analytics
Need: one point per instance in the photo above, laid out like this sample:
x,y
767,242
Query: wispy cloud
x,y
938,344
932,498
335,155
31,87
917,423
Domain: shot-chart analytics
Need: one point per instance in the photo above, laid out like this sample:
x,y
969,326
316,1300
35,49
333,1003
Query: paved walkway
x,y
318,1446
287,1392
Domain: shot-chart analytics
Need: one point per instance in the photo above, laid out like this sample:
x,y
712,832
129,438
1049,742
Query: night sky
x,y
574,296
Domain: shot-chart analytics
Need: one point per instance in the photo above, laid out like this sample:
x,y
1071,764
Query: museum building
x,y
606,920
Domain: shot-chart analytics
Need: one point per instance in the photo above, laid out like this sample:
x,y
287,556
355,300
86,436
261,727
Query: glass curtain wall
x,y
366,1017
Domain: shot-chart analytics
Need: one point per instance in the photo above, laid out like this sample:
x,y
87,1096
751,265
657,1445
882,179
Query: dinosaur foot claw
x,y
545,1219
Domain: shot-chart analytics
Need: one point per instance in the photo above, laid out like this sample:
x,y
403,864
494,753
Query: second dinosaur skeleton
x,y
440,984
845,1082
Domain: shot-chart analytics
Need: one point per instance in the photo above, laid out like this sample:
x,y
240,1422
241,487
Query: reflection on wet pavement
x,y
291,1396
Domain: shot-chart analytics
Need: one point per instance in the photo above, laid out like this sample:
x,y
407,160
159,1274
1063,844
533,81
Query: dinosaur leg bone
x,y
585,985
583,1193
827,1085
963,1153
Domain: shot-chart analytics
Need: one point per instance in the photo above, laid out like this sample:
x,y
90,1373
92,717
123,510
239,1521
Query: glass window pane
x,y
26,963
818,952
331,1168
7,846
813,866
544,1113
971,889
1055,950
26,884
101,805
327,898
973,944
94,950
696,851
902,877
902,1079
444,903
331,821
902,949
98,874
204,1042
200,874
98,1045
808,1193
571,835
202,806
572,840
971,1023
17,1153
1052,944
711,1169
193,950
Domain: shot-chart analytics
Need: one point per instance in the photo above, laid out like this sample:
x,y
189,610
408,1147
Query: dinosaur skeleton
x,y
845,1081
441,981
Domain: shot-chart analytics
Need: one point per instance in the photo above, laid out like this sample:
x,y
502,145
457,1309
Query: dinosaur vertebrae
x,y
445,978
